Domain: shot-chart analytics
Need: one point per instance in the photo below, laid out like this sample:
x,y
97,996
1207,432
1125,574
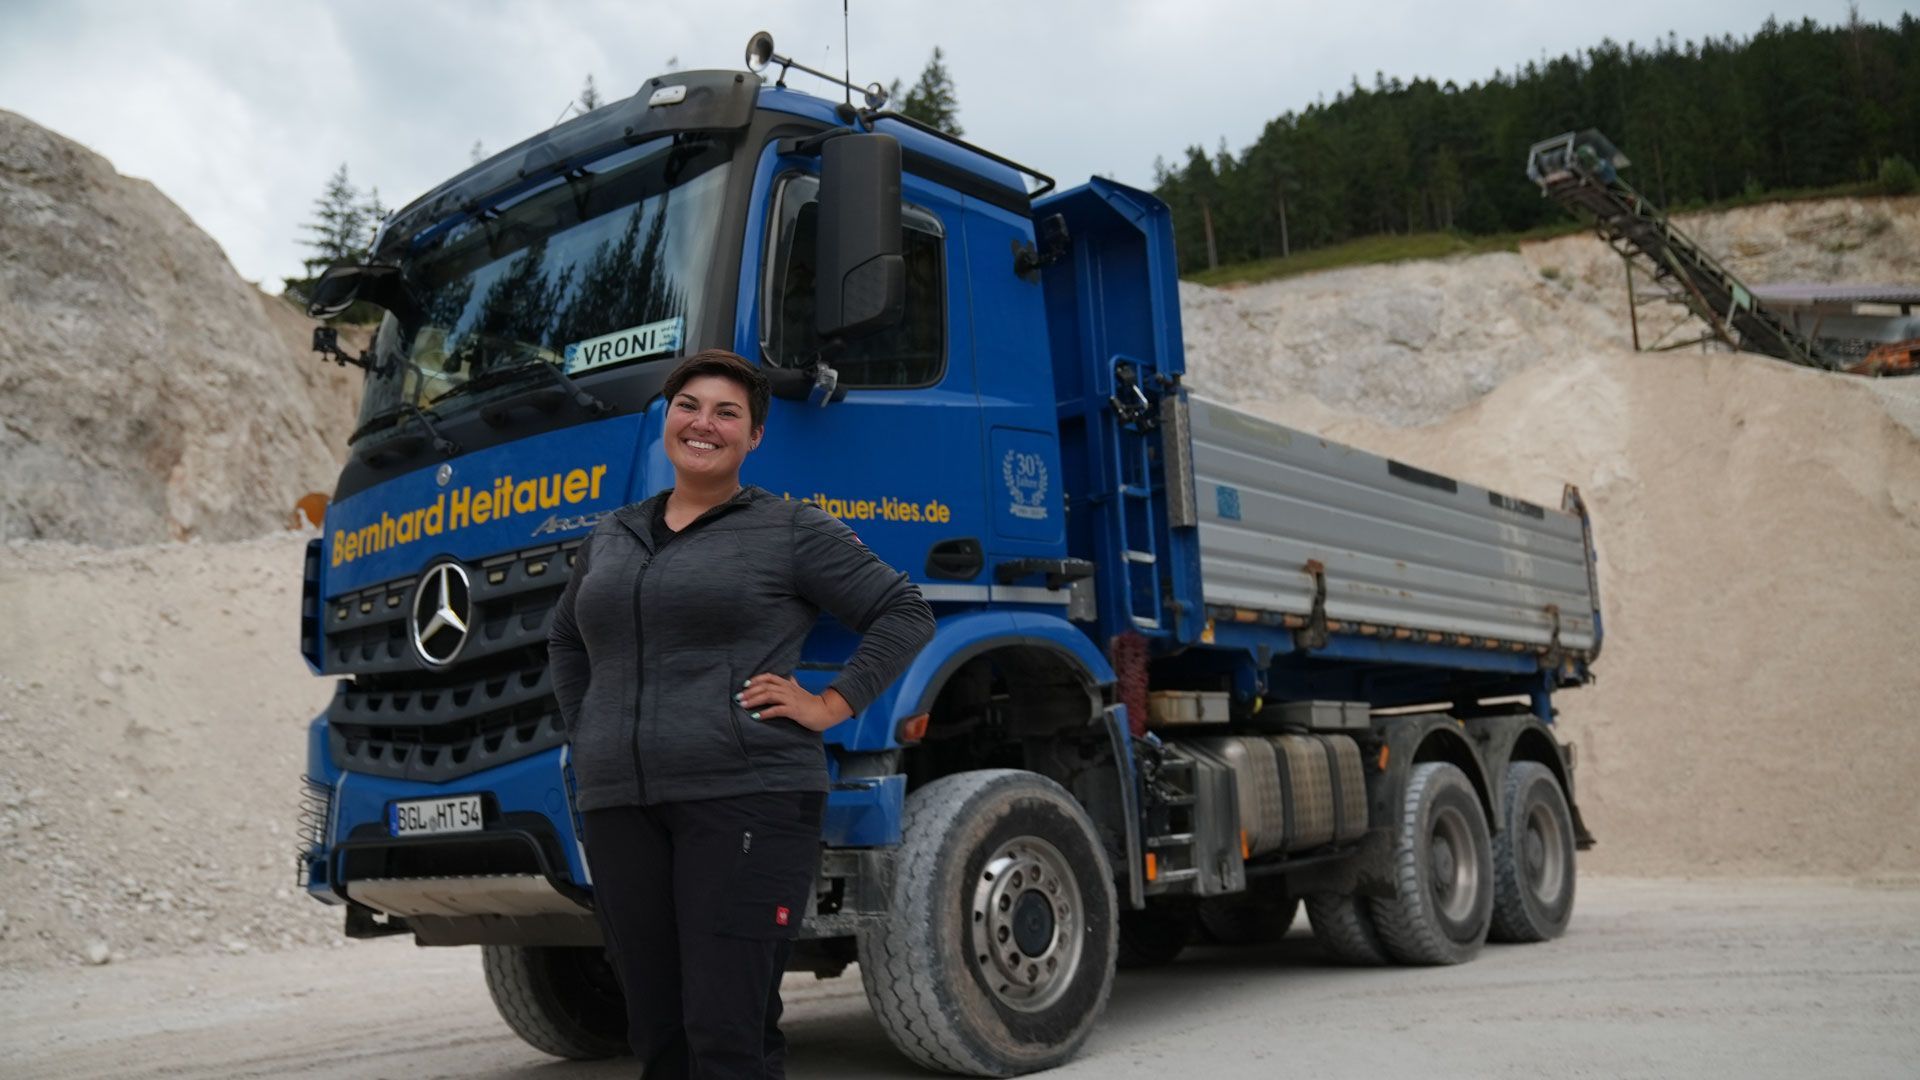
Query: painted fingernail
x,y
746,682
756,716
742,698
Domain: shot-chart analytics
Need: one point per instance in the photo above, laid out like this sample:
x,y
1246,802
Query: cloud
x,y
240,111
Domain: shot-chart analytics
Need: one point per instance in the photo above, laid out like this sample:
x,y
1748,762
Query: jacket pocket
x,y
777,741
602,747
692,730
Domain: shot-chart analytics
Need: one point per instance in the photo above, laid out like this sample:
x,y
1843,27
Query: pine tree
x,y
1200,180
339,229
1794,105
932,100
589,96
374,212
476,153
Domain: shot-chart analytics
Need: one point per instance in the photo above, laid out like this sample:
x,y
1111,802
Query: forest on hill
x,y
1796,106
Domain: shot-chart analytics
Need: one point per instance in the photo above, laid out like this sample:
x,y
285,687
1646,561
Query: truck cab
x,y
996,407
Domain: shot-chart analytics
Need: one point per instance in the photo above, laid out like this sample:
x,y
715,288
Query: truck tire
x,y
1247,920
997,953
562,1001
1343,925
1533,871
1442,871
1153,936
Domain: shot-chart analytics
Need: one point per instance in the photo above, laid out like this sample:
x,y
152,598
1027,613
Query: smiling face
x,y
709,430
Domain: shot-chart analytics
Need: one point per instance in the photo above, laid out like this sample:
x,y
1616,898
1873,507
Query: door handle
x,y
956,560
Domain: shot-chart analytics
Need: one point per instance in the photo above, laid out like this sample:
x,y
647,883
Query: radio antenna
x,y
845,57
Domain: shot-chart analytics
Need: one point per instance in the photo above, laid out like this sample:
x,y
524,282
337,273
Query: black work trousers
x,y
699,903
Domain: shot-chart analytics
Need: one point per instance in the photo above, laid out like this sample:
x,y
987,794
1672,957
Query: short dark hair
x,y
726,365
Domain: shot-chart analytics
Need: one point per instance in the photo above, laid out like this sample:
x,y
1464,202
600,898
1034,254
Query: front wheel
x,y
564,1001
997,953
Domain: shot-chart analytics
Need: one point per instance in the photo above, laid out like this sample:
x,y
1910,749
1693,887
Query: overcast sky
x,y
239,109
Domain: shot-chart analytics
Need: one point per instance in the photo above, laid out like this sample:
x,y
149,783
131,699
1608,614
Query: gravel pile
x,y
153,708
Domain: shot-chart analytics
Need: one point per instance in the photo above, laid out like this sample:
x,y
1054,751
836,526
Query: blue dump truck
x,y
1193,670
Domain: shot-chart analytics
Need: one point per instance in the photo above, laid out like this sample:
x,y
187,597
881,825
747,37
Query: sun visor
x,y
684,101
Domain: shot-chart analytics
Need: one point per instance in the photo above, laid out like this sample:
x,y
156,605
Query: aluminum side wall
x,y
1401,547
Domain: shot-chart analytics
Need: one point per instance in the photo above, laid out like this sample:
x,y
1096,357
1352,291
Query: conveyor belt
x,y
1580,171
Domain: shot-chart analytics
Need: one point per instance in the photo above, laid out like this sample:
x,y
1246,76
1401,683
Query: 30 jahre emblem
x,y
1026,478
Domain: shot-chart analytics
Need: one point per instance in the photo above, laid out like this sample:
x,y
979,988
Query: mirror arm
x,y
326,342
826,384
817,383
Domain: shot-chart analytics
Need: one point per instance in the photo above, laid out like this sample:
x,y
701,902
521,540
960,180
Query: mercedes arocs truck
x,y
1192,670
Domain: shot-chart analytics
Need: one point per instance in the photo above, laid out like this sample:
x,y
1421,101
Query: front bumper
x,y
523,878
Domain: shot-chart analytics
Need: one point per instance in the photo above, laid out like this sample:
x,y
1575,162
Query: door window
x,y
911,353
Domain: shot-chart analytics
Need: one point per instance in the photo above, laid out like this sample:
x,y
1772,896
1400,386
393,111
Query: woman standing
x,y
701,776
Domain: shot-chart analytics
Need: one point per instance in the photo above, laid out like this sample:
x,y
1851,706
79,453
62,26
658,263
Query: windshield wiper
x,y
401,447
383,418
513,372
441,443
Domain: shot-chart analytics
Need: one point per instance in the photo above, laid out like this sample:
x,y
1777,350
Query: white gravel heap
x,y
151,394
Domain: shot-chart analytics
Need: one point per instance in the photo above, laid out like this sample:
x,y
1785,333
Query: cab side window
x,y
911,353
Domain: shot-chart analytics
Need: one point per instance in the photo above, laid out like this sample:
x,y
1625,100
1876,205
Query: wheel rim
x,y
1026,919
1452,867
1543,852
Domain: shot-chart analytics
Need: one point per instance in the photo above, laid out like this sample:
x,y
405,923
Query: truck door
x,y
897,457
1019,429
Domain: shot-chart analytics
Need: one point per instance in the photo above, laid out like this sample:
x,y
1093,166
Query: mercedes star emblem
x,y
441,608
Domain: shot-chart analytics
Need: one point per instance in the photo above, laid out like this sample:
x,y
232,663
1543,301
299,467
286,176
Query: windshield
x,y
606,265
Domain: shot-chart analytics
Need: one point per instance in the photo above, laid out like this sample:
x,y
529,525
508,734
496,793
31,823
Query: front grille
x,y
441,735
366,631
397,717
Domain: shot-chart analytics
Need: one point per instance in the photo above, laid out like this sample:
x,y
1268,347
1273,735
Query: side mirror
x,y
861,283
334,292
342,286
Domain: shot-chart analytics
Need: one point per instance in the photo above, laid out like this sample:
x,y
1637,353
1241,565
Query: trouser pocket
x,y
777,849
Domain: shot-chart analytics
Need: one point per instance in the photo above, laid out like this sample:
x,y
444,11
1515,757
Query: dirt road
x,y
1657,978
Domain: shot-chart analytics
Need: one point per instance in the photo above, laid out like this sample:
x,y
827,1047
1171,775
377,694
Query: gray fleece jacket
x,y
647,647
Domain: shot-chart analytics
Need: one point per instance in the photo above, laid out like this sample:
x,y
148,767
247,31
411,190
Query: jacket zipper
x,y
640,687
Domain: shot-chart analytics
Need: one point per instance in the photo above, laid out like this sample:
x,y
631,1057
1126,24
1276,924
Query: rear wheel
x,y
563,1001
997,953
1343,925
1443,871
1532,857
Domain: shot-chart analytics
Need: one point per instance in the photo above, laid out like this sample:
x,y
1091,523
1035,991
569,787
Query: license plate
x,y
458,813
